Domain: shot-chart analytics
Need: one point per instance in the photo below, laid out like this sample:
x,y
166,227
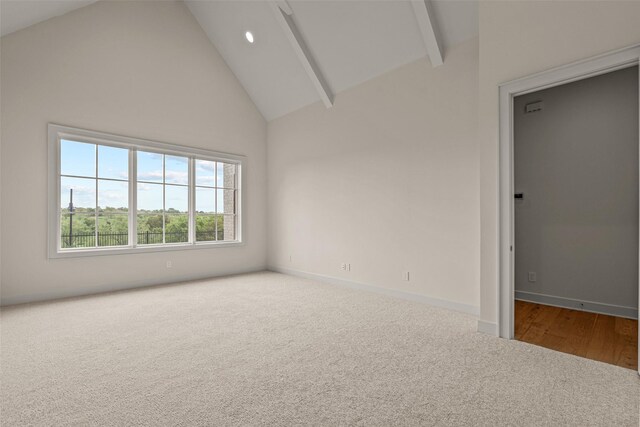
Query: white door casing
x,y
591,67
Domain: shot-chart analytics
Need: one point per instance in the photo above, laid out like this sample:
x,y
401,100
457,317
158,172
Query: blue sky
x,y
79,159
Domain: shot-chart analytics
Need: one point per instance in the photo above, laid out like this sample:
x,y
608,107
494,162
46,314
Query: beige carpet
x,y
270,349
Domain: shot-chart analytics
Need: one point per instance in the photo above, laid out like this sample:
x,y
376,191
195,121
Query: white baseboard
x,y
437,302
575,304
488,328
59,295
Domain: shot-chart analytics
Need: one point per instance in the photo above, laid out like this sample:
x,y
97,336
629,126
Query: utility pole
x,y
71,212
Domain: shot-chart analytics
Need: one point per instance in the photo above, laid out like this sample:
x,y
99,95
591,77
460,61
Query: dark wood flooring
x,y
600,337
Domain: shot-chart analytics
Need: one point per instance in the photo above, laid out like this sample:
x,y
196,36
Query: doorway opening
x,y
569,198
576,217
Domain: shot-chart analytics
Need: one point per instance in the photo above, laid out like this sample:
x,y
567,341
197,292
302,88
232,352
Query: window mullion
x,y
133,198
215,200
192,201
164,199
97,218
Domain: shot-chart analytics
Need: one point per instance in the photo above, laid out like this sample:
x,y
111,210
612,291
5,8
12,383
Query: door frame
x,y
591,67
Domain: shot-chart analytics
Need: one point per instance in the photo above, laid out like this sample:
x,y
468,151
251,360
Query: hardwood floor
x,y
600,337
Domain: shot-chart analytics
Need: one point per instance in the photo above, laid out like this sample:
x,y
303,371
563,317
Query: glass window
x,y
94,200
180,198
215,201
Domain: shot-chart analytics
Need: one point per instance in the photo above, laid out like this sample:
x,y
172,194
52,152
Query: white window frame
x,y
56,133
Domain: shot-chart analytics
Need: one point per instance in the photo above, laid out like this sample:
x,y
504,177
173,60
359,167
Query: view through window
x,y
178,199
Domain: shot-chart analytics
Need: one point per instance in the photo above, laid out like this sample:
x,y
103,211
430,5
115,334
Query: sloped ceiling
x,y
350,41
268,69
18,14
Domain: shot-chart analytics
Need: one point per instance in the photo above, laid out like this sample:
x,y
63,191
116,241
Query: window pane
x,y
226,175
226,201
176,228
113,197
228,228
176,199
77,230
113,230
95,196
206,227
205,173
219,174
149,229
150,198
113,162
205,200
77,158
84,194
176,170
149,167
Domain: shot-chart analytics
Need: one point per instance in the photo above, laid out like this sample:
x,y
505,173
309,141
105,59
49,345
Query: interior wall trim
x,y
576,304
436,302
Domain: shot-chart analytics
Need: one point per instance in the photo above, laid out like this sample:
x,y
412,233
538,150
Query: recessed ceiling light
x,y
249,36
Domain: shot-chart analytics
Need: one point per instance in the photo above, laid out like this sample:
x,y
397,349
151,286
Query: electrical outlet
x,y
348,267
405,276
532,276
343,267
169,264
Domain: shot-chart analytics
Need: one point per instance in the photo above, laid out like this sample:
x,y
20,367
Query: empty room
x,y
319,212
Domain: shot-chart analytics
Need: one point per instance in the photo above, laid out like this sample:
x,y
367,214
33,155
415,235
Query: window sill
x,y
78,253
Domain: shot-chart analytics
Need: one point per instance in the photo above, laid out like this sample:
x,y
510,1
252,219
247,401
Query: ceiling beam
x,y
284,5
429,29
290,29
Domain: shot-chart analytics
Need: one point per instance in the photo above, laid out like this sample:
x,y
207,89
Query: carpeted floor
x,y
270,349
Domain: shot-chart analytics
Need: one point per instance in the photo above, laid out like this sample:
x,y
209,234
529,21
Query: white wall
x,y
139,69
576,162
386,180
518,39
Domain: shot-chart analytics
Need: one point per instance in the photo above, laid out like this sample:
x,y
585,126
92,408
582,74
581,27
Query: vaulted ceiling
x,y
18,14
305,51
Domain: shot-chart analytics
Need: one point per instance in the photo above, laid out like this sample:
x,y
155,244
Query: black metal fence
x,y
85,240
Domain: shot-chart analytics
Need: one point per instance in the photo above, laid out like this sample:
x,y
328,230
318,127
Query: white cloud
x,y
170,176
